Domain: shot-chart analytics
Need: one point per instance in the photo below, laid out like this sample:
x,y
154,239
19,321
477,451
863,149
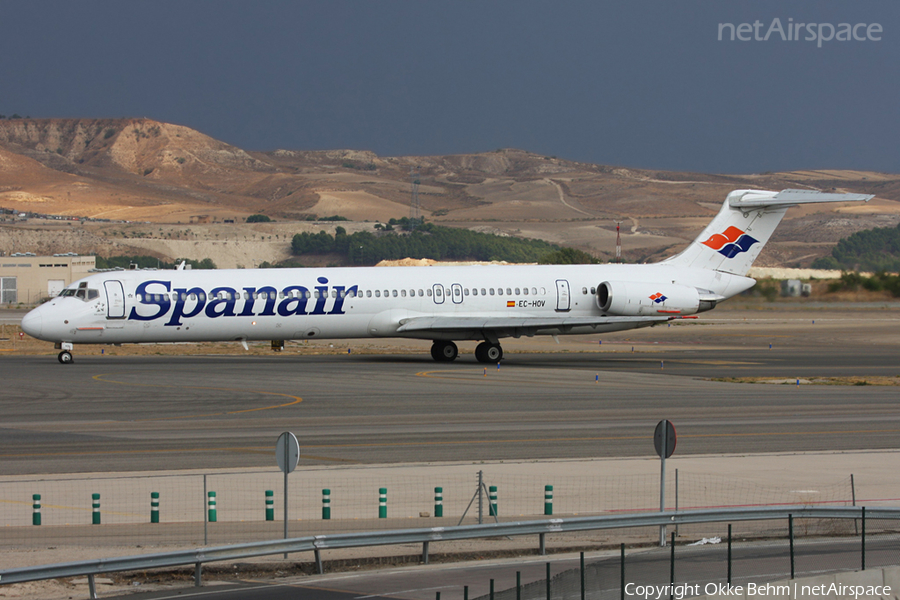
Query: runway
x,y
144,413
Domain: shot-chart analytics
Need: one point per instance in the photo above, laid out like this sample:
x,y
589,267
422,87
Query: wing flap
x,y
449,324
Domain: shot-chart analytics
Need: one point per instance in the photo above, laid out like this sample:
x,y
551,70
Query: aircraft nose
x,y
32,323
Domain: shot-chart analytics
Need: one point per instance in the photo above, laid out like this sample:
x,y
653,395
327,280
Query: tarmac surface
x,y
590,398
589,401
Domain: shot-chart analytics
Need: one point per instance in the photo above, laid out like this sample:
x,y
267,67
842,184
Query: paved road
x,y
695,566
109,413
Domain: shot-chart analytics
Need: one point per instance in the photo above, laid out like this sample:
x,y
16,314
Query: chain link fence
x,y
65,507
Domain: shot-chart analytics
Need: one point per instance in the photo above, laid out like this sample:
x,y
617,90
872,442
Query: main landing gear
x,y
444,351
485,352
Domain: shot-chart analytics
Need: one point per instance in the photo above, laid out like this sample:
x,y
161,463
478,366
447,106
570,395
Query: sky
x,y
645,84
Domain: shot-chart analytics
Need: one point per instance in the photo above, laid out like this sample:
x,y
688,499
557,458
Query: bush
x,y
870,250
568,256
258,219
851,281
427,241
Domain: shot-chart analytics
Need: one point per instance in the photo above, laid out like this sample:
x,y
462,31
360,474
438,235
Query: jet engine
x,y
632,299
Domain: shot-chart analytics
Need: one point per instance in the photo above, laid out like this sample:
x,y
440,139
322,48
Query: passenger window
x,y
593,291
439,291
428,293
534,291
466,292
525,291
421,293
492,291
508,292
474,291
395,293
369,293
334,293
387,293
483,292
518,292
584,290
403,293
499,291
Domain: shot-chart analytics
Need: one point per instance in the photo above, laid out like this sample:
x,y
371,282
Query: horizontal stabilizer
x,y
760,199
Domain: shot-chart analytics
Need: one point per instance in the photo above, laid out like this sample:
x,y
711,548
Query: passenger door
x,y
563,297
115,300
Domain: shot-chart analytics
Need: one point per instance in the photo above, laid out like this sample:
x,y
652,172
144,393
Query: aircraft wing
x,y
562,324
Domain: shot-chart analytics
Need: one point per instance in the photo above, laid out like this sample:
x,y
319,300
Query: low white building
x,y
29,279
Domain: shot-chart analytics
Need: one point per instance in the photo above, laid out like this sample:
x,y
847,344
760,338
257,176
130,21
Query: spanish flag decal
x,y
510,303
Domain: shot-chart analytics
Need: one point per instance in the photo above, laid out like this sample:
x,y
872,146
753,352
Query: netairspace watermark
x,y
795,32
793,590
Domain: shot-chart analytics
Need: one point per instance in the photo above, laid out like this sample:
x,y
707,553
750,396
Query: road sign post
x,y
287,455
664,441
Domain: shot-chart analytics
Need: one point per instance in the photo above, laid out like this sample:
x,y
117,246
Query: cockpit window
x,y
82,292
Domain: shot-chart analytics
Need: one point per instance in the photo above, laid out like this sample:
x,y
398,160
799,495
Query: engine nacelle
x,y
632,299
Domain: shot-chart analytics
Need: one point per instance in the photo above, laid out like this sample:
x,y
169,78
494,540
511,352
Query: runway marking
x,y
601,438
267,449
480,376
297,399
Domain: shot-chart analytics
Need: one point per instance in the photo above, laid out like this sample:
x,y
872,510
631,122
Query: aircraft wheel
x,y
65,357
487,352
443,351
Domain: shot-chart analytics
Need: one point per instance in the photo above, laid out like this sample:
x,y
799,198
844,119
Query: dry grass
x,y
853,380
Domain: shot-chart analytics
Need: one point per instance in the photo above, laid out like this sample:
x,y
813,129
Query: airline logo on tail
x,y
658,298
730,242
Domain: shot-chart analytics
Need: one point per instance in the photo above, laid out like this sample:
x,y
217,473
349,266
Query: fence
x,y
67,515
718,567
316,544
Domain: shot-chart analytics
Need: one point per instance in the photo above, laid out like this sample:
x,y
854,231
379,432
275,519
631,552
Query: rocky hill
x,y
140,170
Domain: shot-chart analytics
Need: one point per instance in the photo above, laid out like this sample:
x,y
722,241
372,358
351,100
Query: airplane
x,y
442,304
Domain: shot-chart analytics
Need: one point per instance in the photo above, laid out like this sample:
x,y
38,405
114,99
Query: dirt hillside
x,y
125,175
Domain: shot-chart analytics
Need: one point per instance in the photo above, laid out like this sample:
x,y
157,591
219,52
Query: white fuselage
x,y
282,304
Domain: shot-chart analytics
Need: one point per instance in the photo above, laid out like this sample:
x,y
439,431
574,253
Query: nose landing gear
x,y
65,357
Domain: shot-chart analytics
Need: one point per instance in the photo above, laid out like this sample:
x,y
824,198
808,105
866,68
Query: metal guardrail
x,y
424,536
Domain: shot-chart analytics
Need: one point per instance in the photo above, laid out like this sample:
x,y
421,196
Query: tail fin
x,y
733,240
